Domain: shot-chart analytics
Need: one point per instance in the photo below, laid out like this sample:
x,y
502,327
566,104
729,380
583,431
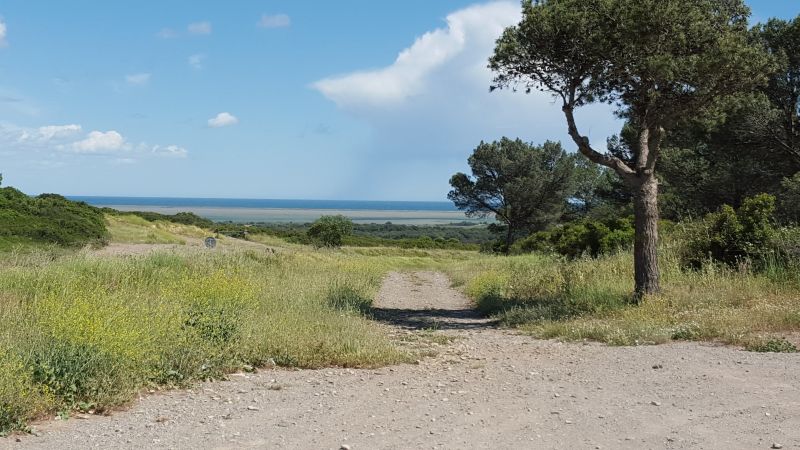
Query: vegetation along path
x,y
483,388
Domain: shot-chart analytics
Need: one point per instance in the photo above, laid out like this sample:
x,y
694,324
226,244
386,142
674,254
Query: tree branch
x,y
593,155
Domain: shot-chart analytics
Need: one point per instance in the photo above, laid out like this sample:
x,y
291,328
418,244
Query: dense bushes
x,y
735,236
50,218
578,238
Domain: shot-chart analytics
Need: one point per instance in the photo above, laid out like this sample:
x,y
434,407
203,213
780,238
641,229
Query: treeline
x,y
459,236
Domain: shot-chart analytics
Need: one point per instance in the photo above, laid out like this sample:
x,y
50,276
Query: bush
x,y
591,237
330,231
732,236
50,218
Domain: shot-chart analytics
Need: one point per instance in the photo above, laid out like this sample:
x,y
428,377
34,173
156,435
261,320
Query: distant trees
x,y
523,185
330,231
658,61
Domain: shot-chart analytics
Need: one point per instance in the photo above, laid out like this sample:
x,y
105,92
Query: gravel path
x,y
487,388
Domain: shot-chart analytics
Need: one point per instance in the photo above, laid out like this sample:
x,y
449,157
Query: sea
x,y
241,210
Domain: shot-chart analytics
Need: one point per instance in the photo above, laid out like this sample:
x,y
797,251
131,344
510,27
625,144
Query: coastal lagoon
x,y
297,211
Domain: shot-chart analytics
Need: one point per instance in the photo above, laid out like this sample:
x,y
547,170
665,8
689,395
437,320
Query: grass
x,y
129,229
589,299
86,332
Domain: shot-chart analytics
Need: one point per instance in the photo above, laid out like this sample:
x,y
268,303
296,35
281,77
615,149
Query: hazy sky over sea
x,y
261,99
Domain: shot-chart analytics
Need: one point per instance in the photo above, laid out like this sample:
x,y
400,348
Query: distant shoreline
x,y
297,211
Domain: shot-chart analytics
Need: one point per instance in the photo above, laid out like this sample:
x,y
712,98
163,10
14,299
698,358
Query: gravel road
x,y
486,388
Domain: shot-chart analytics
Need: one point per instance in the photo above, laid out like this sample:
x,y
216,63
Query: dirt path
x,y
487,389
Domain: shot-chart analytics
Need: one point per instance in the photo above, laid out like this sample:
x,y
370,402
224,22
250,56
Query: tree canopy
x,y
657,61
525,186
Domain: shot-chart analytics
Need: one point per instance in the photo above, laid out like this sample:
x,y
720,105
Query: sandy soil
x,y
487,388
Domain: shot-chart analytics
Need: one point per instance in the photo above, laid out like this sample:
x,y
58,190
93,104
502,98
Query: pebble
x,y
776,445
344,447
655,403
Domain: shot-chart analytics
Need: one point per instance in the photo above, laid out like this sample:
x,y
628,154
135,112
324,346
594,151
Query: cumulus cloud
x,y
99,142
199,28
137,79
196,61
469,31
274,21
60,141
222,119
428,110
3,32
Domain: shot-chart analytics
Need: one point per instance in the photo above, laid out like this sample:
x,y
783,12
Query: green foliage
x,y
524,186
50,218
733,236
789,199
330,231
20,397
772,346
183,218
586,237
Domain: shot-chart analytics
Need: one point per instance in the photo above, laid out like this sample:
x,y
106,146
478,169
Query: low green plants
x,y
772,346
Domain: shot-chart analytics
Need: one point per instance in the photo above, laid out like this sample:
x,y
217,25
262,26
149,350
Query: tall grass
x,y
550,297
89,332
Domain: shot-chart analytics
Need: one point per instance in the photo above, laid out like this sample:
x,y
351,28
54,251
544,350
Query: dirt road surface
x,y
487,388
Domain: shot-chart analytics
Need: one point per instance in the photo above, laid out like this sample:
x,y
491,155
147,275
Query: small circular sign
x,y
210,242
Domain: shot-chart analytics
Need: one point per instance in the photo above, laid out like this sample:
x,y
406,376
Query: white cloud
x,y
468,29
51,132
138,79
199,28
3,33
428,110
62,140
100,142
274,21
196,61
170,150
222,119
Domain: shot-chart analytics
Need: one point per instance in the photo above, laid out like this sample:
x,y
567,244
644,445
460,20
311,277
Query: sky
x,y
354,99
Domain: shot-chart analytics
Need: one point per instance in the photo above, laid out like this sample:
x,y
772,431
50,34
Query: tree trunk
x,y
509,239
645,248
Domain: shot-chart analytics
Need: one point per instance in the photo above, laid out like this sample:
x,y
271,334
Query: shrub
x,y
731,236
330,231
50,218
591,237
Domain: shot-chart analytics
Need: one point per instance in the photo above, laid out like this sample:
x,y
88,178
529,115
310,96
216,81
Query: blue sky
x,y
264,99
